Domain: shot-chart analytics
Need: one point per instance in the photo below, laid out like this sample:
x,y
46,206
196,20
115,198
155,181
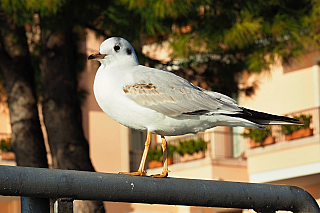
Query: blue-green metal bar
x,y
34,205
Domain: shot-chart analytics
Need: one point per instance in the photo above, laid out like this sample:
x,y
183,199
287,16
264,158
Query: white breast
x,y
108,90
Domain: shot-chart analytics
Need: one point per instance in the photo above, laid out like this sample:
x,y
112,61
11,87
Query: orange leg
x,y
141,171
165,170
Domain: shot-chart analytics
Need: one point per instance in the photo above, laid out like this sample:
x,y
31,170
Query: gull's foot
x,y
162,175
138,173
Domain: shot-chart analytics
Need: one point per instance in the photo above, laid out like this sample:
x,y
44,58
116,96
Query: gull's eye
x,y
116,48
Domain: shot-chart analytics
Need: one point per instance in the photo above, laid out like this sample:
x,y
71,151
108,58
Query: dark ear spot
x,y
128,51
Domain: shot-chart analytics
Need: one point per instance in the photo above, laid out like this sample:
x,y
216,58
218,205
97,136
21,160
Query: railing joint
x,y
63,205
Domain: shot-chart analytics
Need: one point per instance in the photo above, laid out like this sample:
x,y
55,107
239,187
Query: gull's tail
x,y
254,119
263,118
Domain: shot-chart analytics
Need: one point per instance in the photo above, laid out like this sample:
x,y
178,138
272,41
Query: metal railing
x,y
36,185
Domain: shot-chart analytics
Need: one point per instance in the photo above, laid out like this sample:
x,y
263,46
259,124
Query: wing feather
x,y
173,96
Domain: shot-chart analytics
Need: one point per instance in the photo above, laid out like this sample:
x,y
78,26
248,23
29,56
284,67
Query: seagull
x,y
160,102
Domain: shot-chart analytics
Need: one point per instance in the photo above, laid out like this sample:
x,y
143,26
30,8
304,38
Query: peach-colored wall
x,y
280,92
5,127
304,153
104,136
231,173
283,93
197,169
10,205
92,45
143,208
313,191
207,169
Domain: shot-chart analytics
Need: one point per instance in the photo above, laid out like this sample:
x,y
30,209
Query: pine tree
x,y
225,38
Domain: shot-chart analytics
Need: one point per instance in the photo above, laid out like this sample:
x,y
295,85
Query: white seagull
x,y
160,102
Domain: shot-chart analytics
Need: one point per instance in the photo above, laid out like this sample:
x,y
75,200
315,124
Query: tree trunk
x,y
18,75
61,107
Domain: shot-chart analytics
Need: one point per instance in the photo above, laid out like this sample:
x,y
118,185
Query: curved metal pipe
x,y
54,183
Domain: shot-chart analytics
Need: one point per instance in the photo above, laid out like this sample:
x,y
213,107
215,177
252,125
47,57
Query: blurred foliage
x,y
155,153
170,150
191,146
303,119
5,145
184,147
22,10
252,34
257,135
153,14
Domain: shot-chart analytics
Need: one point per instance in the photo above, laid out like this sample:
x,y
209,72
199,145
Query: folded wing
x,y
180,97
152,90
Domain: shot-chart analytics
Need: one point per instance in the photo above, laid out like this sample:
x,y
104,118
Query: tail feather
x,y
263,118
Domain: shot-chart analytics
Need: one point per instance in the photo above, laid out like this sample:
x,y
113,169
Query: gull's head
x,y
115,50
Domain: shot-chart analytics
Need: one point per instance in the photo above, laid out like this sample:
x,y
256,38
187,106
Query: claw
x,y
138,173
162,175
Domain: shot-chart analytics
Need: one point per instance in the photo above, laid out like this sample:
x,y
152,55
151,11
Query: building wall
x,y
279,92
107,143
113,207
284,160
282,91
5,127
305,153
10,204
208,169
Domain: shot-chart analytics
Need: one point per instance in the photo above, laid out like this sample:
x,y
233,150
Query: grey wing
x,y
218,96
171,95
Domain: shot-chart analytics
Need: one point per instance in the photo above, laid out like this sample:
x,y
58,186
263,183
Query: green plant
x,y
5,145
200,145
304,119
191,146
256,134
170,150
155,153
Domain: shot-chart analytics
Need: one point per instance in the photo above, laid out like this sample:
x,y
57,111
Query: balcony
x,y
222,143
314,125
222,160
281,141
296,160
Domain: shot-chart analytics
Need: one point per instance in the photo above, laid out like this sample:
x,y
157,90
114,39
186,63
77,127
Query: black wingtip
x,y
262,116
